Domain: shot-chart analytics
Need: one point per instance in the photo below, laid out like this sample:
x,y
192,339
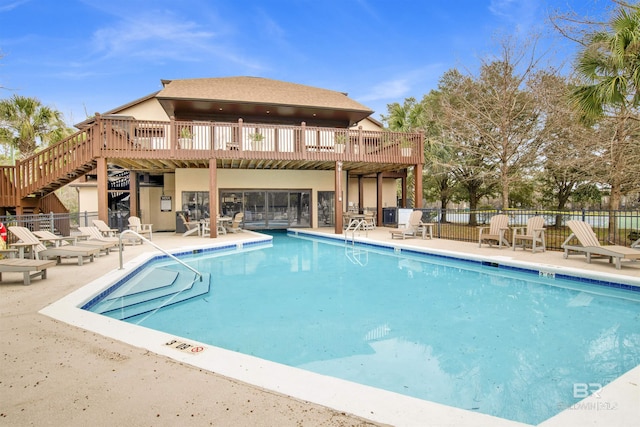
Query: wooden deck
x,y
160,146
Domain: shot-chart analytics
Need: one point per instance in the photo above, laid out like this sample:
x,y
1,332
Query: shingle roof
x,y
258,90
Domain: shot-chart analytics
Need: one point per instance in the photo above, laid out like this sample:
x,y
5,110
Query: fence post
x,y
52,227
583,214
86,219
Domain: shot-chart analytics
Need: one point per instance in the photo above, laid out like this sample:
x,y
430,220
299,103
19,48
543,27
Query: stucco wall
x,y
146,110
87,198
389,193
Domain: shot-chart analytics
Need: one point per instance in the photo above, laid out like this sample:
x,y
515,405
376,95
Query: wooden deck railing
x,y
143,139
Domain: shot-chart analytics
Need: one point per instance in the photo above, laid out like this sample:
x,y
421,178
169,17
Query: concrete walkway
x,y
52,373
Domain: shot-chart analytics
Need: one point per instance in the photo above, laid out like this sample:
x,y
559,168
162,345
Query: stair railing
x,y
198,274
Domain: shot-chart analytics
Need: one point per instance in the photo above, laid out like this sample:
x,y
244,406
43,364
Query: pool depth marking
x,y
185,347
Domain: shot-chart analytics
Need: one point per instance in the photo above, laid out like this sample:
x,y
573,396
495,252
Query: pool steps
x,y
156,288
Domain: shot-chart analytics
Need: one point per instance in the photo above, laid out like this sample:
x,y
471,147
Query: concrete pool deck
x,y
53,373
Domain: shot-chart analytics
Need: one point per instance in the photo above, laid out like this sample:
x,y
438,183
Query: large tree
x,y
569,157
497,117
25,124
474,171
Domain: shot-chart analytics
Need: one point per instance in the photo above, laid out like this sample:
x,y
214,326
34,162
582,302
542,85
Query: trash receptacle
x,y
180,227
389,216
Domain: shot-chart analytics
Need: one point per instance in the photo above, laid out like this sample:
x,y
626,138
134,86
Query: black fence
x,y
611,227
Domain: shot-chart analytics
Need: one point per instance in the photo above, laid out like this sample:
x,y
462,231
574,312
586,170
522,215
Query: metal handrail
x,y
358,225
158,248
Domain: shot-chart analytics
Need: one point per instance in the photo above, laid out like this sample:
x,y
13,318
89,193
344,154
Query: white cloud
x,y
522,14
160,36
405,85
396,88
6,7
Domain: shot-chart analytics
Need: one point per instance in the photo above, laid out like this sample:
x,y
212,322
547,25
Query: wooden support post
x,y
133,195
213,198
417,174
339,203
379,198
360,194
103,182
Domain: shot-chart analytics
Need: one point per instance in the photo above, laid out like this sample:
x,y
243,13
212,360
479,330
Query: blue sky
x,y
87,56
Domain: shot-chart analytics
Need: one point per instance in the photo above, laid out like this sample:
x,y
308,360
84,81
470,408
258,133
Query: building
x,y
285,154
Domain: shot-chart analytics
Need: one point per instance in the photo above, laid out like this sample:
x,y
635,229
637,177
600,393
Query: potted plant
x,y
405,148
339,142
185,140
257,141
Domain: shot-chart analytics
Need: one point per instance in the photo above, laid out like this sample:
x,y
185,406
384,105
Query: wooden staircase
x,y
28,186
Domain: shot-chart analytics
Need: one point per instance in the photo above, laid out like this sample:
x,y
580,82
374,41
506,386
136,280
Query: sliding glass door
x,y
268,209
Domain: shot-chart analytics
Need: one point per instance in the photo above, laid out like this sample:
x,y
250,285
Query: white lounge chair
x,y
589,245
411,229
46,236
104,229
498,227
29,240
30,268
136,225
533,232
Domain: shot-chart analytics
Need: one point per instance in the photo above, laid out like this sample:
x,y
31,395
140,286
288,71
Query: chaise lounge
x,y
30,268
104,229
46,236
29,240
590,246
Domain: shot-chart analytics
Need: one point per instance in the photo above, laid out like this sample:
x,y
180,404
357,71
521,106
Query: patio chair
x,y
533,232
235,224
589,245
30,268
220,225
193,227
104,228
498,227
46,236
411,229
369,221
29,240
136,225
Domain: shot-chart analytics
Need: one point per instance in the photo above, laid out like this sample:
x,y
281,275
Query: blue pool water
x,y
501,342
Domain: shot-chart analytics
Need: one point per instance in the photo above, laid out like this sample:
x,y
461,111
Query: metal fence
x,y
63,224
611,227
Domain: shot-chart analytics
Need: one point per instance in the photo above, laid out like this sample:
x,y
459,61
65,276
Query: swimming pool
x,y
450,342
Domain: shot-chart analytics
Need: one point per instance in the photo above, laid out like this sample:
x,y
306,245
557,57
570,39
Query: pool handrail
x,y
357,225
198,274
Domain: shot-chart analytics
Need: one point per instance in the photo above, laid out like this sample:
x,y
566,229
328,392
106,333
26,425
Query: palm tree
x,y
25,123
408,117
609,66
